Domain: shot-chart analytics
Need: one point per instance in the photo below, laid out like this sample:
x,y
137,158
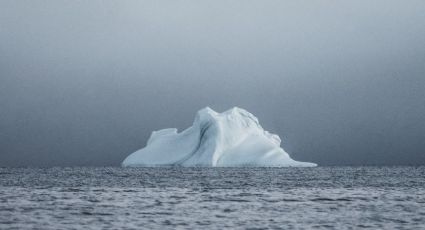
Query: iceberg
x,y
233,138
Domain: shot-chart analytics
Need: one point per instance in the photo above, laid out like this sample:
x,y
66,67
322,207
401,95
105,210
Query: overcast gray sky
x,y
85,82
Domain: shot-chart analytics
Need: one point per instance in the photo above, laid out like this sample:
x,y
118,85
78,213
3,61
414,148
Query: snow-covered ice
x,y
231,138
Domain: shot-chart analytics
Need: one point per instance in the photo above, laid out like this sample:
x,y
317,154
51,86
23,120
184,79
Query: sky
x,y
84,83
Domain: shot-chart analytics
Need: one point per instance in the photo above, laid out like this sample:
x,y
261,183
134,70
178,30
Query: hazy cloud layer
x,y
85,82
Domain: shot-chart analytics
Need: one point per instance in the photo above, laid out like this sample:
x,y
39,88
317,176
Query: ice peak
x,y
207,110
231,138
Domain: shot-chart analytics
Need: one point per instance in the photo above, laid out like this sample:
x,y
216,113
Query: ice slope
x,y
231,138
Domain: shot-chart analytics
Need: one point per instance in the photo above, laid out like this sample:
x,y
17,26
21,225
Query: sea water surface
x,y
212,198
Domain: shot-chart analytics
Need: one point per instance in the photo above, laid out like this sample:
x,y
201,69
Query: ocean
x,y
212,198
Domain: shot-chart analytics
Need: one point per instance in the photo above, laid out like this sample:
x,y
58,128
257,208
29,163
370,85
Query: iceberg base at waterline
x,y
233,138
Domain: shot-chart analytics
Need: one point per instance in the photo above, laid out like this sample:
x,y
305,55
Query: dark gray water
x,y
213,198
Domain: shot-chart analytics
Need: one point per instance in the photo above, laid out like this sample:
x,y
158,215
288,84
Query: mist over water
x,y
85,82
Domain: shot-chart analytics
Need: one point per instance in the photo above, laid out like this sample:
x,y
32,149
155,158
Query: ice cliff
x,y
231,138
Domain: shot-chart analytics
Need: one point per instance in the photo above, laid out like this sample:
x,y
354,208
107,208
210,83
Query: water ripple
x,y
195,198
